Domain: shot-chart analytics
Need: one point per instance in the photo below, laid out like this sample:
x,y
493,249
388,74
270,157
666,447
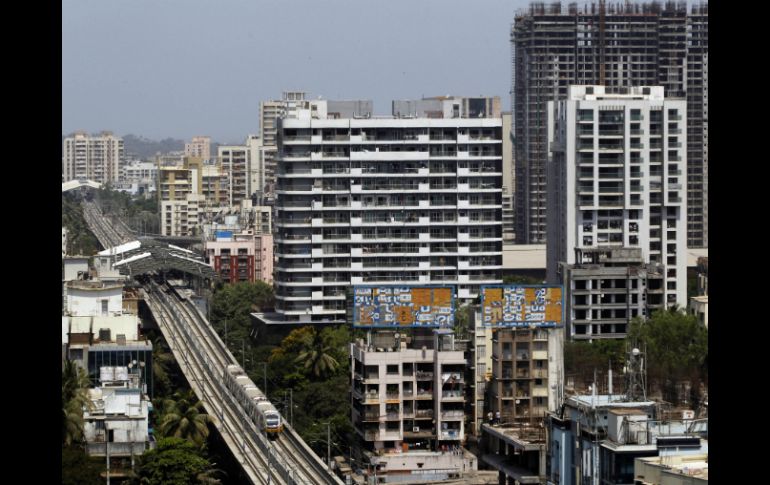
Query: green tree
x,y
74,391
676,346
318,356
80,239
162,360
184,417
232,305
173,462
78,469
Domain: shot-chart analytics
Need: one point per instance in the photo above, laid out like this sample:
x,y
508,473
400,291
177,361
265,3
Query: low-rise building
x,y
242,256
699,306
117,424
594,439
672,470
88,298
526,369
408,406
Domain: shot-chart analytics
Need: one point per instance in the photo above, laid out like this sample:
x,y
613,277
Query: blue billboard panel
x,y
403,306
522,306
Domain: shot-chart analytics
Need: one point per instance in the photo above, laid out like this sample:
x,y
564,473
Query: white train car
x,y
258,408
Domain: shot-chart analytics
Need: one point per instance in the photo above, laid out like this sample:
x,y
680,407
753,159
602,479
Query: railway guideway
x,y
203,357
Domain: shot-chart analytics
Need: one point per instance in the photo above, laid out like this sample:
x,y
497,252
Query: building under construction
x,y
619,46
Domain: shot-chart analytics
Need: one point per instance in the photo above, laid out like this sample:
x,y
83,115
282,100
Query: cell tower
x,y
636,373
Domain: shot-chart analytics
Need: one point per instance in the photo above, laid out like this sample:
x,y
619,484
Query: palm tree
x,y
74,394
184,417
161,360
317,357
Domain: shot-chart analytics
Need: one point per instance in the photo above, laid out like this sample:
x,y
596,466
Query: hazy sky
x,y
178,68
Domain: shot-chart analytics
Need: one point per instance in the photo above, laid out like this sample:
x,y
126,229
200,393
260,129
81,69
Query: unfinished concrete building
x,y
618,46
608,290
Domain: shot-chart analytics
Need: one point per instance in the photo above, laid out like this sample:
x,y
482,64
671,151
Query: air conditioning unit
x,y
416,429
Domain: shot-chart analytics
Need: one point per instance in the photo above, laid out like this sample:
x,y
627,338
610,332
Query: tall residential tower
x,y
616,238
411,199
618,46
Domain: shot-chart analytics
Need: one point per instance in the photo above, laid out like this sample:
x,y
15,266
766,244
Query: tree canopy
x,y
676,346
173,462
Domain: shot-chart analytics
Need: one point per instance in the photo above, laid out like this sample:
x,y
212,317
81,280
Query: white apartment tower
x,y
411,199
269,112
96,158
617,181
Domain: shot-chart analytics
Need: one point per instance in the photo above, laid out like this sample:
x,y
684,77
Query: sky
x,y
179,68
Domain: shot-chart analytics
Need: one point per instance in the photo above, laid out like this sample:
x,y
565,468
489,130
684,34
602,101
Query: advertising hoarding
x,y
403,306
522,306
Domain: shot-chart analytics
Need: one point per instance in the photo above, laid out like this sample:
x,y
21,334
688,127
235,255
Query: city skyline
x,y
169,82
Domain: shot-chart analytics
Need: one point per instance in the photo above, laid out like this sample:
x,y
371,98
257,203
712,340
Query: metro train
x,y
259,409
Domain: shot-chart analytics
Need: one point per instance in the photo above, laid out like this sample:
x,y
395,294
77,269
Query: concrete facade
x,y
384,201
620,45
408,407
92,298
242,257
615,183
96,158
199,147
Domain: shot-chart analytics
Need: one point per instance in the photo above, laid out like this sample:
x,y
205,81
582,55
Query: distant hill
x,y
146,149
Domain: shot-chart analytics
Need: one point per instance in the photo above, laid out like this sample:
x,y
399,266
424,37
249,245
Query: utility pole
x,y
329,446
107,445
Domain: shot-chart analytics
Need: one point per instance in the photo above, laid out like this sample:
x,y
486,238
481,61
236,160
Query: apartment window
x,y
481,351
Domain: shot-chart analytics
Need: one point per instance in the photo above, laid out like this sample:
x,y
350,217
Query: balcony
x,y
423,375
452,395
452,415
424,414
453,434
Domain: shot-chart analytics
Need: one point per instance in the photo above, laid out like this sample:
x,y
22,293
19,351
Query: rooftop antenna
x,y
636,374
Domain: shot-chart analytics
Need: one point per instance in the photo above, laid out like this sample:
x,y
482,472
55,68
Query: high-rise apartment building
x,y
269,112
235,166
618,46
199,147
181,196
617,233
408,199
96,158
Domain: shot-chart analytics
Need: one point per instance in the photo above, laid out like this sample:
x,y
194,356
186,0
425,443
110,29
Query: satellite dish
x,y
397,335
635,352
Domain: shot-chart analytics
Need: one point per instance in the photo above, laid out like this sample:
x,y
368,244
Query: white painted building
x,y
142,175
95,158
90,298
182,217
386,200
699,306
118,422
617,181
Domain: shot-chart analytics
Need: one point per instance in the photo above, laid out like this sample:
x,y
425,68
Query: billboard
x,y
522,306
403,306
